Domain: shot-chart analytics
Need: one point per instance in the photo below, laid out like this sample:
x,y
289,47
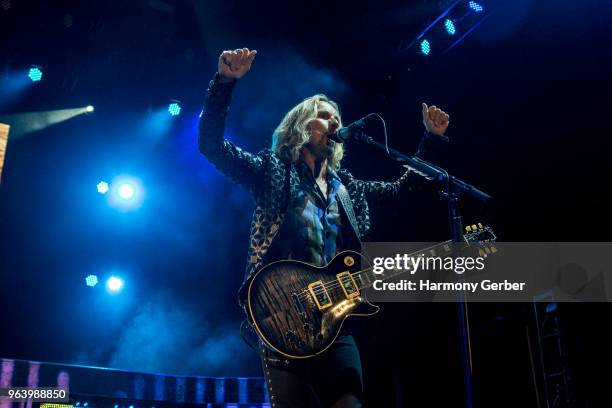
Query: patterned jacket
x,y
272,180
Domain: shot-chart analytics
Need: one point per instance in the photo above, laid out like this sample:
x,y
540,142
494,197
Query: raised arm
x,y
241,166
410,180
436,122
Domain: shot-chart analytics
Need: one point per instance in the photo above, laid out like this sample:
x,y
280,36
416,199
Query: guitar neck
x,y
447,248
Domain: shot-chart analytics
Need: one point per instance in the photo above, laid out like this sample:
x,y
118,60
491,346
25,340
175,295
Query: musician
x,y
307,208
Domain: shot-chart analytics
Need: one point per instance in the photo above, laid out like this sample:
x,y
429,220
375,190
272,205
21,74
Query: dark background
x,y
528,93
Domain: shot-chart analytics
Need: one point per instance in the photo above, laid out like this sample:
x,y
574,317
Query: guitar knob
x,y
349,261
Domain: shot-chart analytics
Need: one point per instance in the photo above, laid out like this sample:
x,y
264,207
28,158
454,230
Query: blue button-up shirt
x,y
312,229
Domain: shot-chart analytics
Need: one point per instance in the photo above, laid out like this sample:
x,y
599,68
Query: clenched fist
x,y
435,120
234,64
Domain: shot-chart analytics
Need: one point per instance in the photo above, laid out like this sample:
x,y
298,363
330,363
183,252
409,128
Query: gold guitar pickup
x,y
348,284
319,294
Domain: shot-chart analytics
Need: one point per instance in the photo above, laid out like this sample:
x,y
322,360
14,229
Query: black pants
x,y
317,381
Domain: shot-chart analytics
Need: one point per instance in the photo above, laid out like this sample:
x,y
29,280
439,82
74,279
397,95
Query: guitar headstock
x,y
481,236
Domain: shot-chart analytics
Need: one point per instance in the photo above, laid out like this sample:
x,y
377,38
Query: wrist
x,y
428,134
223,79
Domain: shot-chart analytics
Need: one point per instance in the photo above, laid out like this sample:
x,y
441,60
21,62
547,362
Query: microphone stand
x,y
452,191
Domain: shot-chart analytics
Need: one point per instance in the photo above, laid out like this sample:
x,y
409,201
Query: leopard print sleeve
x,y
387,189
239,165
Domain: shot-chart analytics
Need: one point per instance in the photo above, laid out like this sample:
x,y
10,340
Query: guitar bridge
x,y
320,295
299,307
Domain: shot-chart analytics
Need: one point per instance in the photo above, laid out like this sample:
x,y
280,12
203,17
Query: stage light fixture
x,y
174,108
450,27
35,74
114,284
89,109
91,280
102,187
425,47
475,6
126,191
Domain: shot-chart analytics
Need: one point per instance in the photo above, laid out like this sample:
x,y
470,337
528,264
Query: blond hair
x,y
292,133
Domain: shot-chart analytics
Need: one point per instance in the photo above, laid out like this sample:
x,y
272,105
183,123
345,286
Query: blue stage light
x,y
85,404
126,191
450,27
174,108
114,284
91,280
35,74
475,6
102,187
425,47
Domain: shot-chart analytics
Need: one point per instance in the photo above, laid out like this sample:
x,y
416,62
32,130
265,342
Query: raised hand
x,y
435,120
234,64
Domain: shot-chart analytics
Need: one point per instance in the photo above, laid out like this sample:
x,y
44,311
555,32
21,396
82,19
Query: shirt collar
x,y
303,168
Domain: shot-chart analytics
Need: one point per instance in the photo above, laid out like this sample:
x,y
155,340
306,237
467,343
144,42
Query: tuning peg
x,y
482,253
480,226
468,228
493,249
487,250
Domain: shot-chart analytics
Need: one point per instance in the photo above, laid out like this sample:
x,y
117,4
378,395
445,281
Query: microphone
x,y
354,131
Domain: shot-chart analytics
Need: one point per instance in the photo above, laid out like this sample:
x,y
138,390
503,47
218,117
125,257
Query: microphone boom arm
x,y
432,171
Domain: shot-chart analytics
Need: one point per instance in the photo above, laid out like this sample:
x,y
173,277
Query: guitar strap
x,y
345,200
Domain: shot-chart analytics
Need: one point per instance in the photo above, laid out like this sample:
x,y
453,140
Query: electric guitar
x,y
298,309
